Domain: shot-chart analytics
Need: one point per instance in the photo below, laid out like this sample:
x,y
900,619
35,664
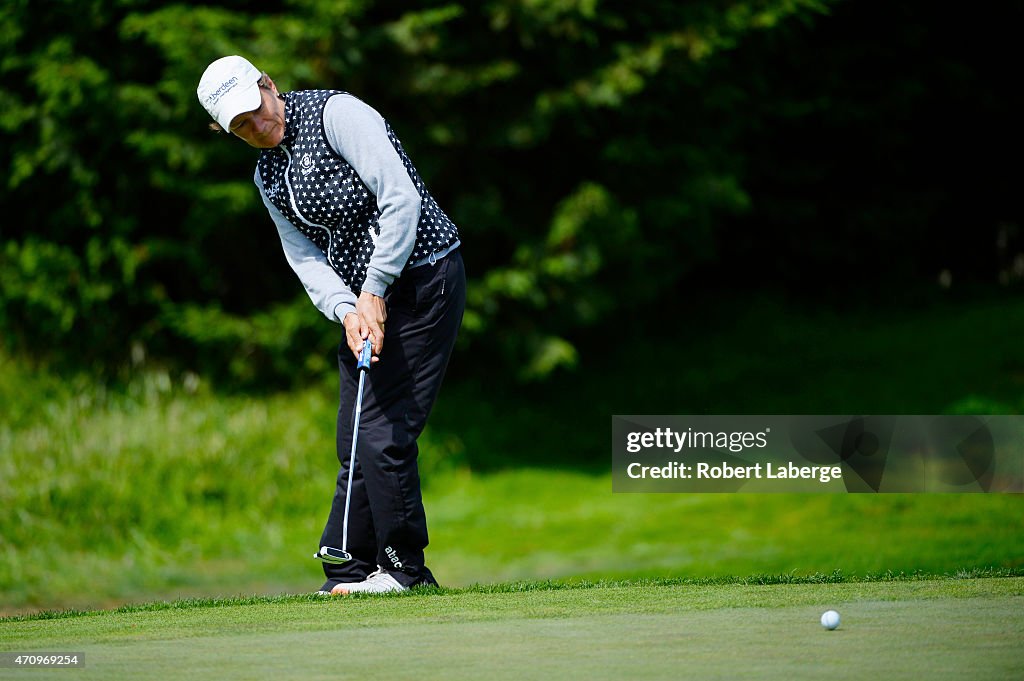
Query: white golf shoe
x,y
379,582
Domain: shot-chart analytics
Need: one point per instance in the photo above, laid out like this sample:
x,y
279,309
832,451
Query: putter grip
x,y
364,356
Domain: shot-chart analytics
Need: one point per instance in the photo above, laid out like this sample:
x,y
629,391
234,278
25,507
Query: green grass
x,y
542,524
162,489
535,524
898,629
748,357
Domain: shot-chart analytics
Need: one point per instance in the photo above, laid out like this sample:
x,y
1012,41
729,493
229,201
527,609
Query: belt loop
x,y
432,259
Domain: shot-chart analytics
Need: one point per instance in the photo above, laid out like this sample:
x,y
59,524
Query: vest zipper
x,y
295,206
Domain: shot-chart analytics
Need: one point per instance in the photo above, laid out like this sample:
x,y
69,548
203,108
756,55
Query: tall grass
x,y
165,487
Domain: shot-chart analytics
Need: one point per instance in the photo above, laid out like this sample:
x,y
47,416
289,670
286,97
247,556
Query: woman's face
x,y
263,127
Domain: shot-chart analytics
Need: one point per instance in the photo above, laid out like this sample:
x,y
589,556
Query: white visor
x,y
228,88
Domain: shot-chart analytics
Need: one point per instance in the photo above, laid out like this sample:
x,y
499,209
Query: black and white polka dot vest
x,y
321,194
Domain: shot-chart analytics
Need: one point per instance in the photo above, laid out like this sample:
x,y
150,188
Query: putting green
x,y
934,629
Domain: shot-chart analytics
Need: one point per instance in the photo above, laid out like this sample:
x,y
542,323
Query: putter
x,y
329,554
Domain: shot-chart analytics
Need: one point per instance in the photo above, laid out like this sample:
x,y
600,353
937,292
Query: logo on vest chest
x,y
306,164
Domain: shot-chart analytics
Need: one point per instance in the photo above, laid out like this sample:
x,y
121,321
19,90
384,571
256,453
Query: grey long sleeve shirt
x,y
357,133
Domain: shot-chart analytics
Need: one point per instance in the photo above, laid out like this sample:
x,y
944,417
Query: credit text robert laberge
x,y
666,438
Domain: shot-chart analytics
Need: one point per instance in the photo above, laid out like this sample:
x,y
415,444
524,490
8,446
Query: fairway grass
x,y
903,629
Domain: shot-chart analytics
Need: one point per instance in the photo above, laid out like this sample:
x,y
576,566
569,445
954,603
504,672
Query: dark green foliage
x,y
604,161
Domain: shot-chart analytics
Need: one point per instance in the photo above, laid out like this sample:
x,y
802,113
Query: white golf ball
x,y
830,619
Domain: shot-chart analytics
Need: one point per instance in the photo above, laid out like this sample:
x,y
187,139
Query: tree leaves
x,y
594,154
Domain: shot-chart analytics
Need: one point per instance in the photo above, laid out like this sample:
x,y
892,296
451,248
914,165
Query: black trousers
x,y
387,525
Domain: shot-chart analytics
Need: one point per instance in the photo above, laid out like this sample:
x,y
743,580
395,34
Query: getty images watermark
x,y
828,454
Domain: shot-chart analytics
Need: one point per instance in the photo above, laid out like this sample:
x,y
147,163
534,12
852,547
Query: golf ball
x,y
830,619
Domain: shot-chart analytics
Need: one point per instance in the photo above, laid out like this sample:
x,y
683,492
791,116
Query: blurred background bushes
x,y
609,164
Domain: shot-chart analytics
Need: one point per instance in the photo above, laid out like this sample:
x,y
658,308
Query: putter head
x,y
329,554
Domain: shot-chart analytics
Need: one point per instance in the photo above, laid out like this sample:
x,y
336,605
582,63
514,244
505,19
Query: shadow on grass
x,y
743,357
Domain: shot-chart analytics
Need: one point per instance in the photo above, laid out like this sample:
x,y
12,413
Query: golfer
x,y
377,255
